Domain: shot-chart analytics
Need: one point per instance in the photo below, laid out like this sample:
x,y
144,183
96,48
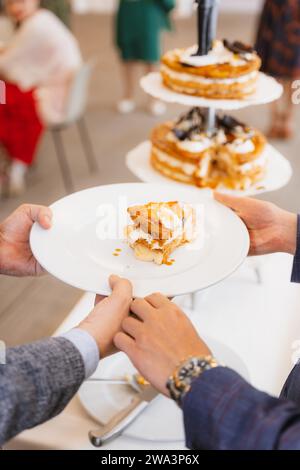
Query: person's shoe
x,y
273,132
284,132
16,179
157,108
126,106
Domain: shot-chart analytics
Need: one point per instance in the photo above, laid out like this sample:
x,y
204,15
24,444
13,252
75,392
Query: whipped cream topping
x,y
189,169
172,222
242,146
218,55
195,146
189,134
168,218
243,169
204,169
188,77
139,234
220,137
260,162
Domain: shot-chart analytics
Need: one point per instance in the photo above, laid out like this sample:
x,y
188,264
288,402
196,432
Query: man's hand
x,y
271,229
16,258
159,339
105,321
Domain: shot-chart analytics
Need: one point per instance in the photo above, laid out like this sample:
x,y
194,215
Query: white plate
x,y
268,90
73,251
162,420
278,175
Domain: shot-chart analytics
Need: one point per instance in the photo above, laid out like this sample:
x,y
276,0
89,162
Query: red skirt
x,y
20,125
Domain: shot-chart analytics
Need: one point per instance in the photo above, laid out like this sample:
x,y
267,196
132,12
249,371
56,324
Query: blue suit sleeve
x,y
223,412
296,265
291,389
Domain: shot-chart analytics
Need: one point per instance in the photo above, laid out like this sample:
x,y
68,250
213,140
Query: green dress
x,y
61,8
138,27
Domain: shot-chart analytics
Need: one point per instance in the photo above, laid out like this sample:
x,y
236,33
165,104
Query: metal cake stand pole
x,y
207,24
211,116
207,31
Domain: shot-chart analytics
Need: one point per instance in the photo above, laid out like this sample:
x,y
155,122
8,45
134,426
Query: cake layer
x,y
214,90
145,253
226,64
177,173
217,179
234,155
164,140
228,71
161,223
159,228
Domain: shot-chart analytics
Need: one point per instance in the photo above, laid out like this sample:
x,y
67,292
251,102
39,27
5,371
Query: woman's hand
x,y
105,321
271,229
159,339
16,258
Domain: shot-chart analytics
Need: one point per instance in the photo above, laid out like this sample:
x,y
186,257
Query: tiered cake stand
x,y
279,171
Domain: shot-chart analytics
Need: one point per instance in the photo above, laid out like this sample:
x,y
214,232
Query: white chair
x,y
75,110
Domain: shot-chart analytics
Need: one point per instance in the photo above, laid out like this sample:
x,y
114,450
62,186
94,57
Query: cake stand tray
x,y
268,90
278,175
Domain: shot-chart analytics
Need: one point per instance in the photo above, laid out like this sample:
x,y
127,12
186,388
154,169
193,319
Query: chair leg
x,y
62,160
87,145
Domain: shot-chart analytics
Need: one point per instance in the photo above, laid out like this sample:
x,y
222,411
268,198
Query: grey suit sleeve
x,y
36,383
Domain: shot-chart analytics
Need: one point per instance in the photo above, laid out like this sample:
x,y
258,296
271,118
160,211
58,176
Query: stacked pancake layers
x,y
228,71
232,155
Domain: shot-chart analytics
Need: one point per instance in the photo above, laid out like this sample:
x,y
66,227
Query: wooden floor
x,y
33,308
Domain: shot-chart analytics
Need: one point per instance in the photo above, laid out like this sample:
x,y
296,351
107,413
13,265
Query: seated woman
x,y
37,66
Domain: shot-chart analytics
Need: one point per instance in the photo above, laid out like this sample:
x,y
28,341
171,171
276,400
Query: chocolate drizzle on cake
x,y
193,124
229,123
187,65
189,124
238,47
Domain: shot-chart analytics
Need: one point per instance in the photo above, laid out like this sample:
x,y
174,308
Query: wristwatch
x,y
181,381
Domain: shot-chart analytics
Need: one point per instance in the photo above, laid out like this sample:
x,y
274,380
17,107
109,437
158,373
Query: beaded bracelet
x,y
181,381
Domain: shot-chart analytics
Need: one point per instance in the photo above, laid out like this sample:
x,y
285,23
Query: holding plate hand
x,y
159,339
16,258
271,229
105,321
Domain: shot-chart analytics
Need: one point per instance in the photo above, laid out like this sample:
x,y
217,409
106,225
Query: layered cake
x,y
229,71
232,155
160,228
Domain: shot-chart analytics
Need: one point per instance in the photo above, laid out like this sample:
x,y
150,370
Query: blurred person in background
x,y
61,8
278,44
37,66
139,24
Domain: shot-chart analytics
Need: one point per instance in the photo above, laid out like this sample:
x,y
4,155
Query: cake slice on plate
x,y
159,228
